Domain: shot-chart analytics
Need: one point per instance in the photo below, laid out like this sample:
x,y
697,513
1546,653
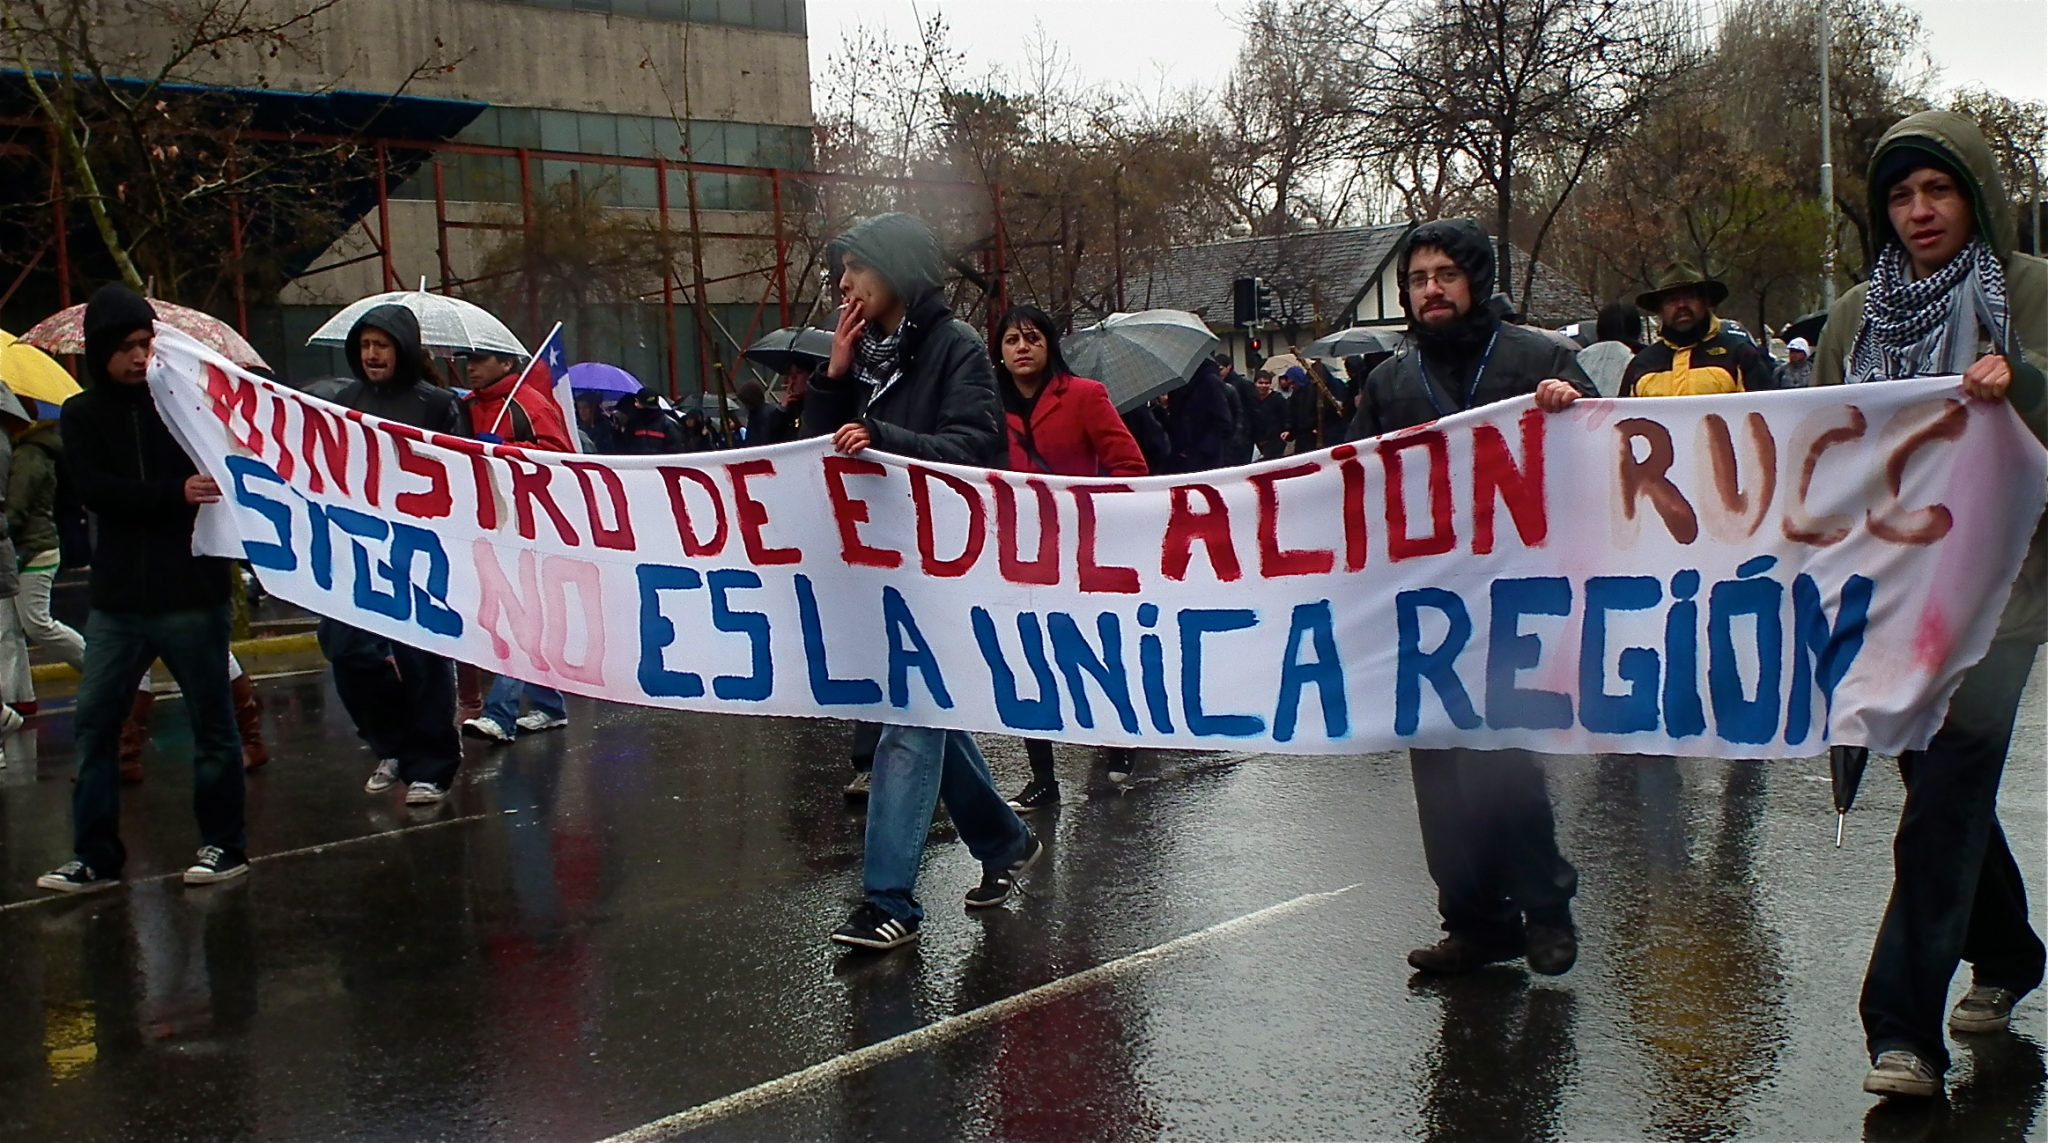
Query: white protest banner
x,y
1742,576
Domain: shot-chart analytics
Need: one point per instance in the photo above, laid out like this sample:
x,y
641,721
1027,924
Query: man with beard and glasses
x,y
1695,353
1488,835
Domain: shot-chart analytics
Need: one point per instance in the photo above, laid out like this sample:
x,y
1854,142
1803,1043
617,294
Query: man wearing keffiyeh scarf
x,y
1948,295
906,378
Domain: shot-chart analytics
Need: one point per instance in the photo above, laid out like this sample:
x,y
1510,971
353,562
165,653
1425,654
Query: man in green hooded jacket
x,y
1948,295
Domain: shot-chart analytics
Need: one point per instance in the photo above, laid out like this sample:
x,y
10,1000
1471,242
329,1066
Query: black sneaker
x,y
75,877
1552,949
857,788
1120,763
216,865
1036,796
998,883
1458,954
871,928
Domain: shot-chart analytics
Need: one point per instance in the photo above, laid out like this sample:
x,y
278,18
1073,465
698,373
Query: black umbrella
x,y
1808,327
1357,341
1845,772
791,347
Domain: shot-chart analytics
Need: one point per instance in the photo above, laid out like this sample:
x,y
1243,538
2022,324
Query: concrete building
x,y
723,82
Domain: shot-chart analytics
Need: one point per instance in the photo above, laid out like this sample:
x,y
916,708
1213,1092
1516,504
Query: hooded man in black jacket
x,y
1487,831
402,699
151,599
906,378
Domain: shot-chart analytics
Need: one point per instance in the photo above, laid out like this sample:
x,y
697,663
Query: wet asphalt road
x,y
620,929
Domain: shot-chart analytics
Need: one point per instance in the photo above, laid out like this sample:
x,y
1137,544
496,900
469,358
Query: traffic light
x,y
1264,295
1244,301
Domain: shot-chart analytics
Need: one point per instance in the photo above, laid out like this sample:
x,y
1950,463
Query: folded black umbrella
x,y
1845,773
1808,327
790,347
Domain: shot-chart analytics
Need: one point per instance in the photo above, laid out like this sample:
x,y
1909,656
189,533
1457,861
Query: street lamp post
x,y
1827,170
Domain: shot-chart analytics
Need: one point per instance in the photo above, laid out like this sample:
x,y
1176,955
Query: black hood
x,y
113,313
901,248
1472,249
403,328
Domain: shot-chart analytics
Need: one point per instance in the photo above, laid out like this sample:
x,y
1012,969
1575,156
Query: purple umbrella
x,y
596,377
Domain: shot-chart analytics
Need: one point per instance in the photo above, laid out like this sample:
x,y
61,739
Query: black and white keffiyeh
x,y
880,359
1929,327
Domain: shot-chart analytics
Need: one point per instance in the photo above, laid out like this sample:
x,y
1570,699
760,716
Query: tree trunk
x,y
1504,214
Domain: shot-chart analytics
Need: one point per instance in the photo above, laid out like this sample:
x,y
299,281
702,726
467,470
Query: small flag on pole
x,y
556,362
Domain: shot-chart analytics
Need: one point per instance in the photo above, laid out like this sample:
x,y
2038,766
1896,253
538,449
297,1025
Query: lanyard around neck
x,y
1471,393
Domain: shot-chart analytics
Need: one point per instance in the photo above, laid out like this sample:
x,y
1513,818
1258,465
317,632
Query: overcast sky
x,y
2001,44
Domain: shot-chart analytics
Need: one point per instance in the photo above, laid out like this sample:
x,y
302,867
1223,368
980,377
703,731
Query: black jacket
x,y
1269,419
1198,420
130,473
1319,413
1395,397
1399,394
408,398
944,406
768,423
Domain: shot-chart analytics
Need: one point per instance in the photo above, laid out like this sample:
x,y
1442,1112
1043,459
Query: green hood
x,y
47,435
901,247
1957,139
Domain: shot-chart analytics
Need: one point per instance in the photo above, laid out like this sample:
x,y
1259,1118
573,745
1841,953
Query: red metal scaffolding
x,y
989,246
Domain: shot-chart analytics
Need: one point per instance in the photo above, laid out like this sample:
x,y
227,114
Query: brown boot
x,y
469,693
249,720
135,736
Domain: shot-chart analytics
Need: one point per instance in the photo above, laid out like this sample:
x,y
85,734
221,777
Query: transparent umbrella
x,y
449,325
1139,356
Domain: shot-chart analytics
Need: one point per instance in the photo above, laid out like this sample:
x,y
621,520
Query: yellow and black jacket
x,y
1723,361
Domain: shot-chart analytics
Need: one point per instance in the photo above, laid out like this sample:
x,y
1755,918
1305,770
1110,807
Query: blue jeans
x,y
916,766
119,647
501,704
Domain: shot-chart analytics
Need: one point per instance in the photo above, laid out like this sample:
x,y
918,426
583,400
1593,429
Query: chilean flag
x,y
555,362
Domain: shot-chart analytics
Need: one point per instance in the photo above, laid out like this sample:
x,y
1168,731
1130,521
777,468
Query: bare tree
x,y
170,170
1290,114
2017,130
1491,87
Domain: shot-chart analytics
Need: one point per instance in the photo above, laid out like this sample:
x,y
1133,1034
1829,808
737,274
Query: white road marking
x,y
918,1039
254,862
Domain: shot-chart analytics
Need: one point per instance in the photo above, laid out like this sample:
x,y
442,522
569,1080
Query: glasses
x,y
1447,277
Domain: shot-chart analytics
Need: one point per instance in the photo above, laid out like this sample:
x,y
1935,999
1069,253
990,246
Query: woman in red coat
x,y
1061,425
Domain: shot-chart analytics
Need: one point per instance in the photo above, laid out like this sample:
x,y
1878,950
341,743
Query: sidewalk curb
x,y
250,651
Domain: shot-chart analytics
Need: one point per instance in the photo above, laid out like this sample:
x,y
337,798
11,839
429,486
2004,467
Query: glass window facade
x,y
760,15
495,178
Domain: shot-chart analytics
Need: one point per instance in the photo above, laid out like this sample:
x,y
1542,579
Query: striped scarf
x,y
1929,327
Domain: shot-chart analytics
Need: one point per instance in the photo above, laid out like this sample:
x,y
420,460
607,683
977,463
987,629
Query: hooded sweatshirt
x,y
32,490
408,397
943,407
130,473
1441,372
1960,144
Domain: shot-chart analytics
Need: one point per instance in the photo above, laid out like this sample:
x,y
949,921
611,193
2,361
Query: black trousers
x,y
1957,894
1490,841
401,698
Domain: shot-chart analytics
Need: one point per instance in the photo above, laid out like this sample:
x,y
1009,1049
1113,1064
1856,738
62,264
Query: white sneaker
x,y
1902,1074
383,777
424,794
486,728
10,720
535,721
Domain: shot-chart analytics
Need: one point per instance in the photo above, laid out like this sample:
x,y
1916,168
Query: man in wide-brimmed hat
x,y
1694,352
